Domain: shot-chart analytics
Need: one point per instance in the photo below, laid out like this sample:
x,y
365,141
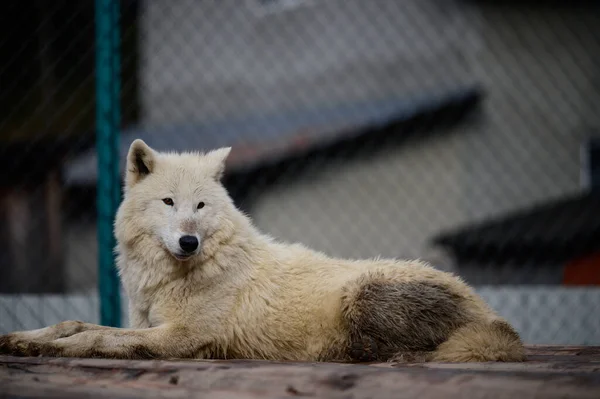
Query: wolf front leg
x,y
166,341
56,331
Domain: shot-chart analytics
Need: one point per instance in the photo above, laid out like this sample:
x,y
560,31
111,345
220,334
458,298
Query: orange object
x,y
583,271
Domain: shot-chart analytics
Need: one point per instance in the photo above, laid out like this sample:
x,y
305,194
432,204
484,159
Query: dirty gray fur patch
x,y
404,317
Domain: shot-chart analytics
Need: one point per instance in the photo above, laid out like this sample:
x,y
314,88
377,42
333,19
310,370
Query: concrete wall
x,y
206,59
539,69
537,65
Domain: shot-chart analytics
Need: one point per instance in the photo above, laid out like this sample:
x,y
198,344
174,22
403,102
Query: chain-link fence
x,y
458,131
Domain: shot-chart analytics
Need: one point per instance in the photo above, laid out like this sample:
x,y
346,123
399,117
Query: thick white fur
x,y
241,294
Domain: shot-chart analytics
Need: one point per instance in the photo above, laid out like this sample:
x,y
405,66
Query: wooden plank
x,y
574,350
571,372
288,380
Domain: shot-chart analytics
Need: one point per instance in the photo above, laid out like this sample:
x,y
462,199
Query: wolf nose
x,y
188,243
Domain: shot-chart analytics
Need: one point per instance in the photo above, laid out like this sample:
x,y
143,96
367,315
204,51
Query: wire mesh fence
x,y
458,131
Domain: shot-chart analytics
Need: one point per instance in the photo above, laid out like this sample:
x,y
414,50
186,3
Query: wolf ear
x,y
141,161
216,160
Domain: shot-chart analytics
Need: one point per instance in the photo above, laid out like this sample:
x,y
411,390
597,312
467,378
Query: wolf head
x,y
175,200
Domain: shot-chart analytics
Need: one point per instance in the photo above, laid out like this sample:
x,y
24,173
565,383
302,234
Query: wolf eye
x,y
200,205
168,201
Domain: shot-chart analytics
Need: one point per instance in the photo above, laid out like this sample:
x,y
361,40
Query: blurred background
x,y
463,132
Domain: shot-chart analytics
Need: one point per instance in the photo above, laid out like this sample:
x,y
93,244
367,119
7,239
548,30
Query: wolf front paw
x,y
47,334
5,343
14,345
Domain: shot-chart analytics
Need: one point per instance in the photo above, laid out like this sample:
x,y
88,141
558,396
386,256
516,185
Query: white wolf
x,y
203,282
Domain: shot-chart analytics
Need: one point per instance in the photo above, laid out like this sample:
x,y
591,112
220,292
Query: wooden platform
x,y
550,372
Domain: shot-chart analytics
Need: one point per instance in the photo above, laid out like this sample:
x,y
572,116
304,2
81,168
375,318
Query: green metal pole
x,y
108,118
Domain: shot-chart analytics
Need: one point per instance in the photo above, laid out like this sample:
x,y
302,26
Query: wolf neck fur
x,y
232,246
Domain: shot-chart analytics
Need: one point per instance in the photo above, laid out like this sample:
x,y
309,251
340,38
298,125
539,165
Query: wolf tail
x,y
482,341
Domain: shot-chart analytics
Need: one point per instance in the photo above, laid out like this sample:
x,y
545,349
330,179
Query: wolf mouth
x,y
182,257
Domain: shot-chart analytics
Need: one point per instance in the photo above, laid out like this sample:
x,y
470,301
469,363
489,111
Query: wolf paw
x,y
5,343
411,357
363,350
12,345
